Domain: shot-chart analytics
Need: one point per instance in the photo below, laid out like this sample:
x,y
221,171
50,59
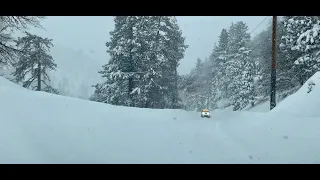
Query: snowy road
x,y
209,140
58,129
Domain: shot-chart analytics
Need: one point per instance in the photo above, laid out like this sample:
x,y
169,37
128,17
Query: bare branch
x,y
21,22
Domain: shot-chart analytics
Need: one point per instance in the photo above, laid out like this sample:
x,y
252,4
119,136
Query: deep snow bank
x,y
305,102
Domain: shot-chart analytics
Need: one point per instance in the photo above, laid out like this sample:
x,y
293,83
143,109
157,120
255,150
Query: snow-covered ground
x,y
37,127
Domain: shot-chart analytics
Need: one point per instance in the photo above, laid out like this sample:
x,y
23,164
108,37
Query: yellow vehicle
x,y
205,113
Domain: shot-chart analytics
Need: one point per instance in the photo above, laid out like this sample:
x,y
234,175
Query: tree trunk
x,y
301,80
130,83
175,93
39,76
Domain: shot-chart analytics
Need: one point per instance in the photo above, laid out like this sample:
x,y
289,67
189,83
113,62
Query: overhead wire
x,y
259,24
264,39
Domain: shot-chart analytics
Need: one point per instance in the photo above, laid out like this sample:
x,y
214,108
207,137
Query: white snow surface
x,y
37,127
302,104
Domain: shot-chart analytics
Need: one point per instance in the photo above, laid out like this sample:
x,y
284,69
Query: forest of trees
x,y
145,52
237,73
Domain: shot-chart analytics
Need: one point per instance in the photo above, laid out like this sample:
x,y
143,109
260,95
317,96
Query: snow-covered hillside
x,y
37,127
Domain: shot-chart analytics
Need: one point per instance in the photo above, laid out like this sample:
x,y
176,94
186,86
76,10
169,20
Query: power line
x,y
255,29
261,43
265,38
259,24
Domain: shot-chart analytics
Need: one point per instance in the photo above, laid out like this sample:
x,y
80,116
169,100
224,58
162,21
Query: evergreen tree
x,y
242,85
35,62
192,87
197,86
153,89
9,25
173,51
287,80
301,37
219,59
166,50
238,37
238,63
145,52
119,72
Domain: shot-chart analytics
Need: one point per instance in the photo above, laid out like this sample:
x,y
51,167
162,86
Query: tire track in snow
x,y
235,136
238,153
209,144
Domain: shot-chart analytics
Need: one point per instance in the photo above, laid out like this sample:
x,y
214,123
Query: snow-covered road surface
x,y
36,127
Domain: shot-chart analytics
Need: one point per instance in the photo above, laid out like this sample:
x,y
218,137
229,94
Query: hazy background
x,y
80,49
88,34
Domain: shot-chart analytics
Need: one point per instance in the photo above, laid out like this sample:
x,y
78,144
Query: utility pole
x,y
273,66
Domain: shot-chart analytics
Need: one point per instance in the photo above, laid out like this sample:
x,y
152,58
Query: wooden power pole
x,y
273,66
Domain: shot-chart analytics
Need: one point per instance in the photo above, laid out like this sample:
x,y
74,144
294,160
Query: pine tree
x,y
197,87
219,59
173,48
119,72
238,37
35,62
166,50
142,72
243,82
153,91
9,25
302,38
238,63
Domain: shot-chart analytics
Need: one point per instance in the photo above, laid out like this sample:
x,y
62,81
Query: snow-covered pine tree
x,y
149,89
219,59
301,37
99,94
215,95
166,48
239,66
173,48
262,54
206,79
242,85
145,52
119,73
185,89
145,73
196,73
34,62
197,95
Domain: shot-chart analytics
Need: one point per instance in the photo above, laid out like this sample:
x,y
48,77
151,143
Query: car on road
x,y
205,113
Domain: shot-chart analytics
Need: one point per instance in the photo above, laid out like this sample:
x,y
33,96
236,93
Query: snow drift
x,y
37,127
305,102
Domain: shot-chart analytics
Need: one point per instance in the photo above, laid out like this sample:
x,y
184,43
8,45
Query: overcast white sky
x,y
90,33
